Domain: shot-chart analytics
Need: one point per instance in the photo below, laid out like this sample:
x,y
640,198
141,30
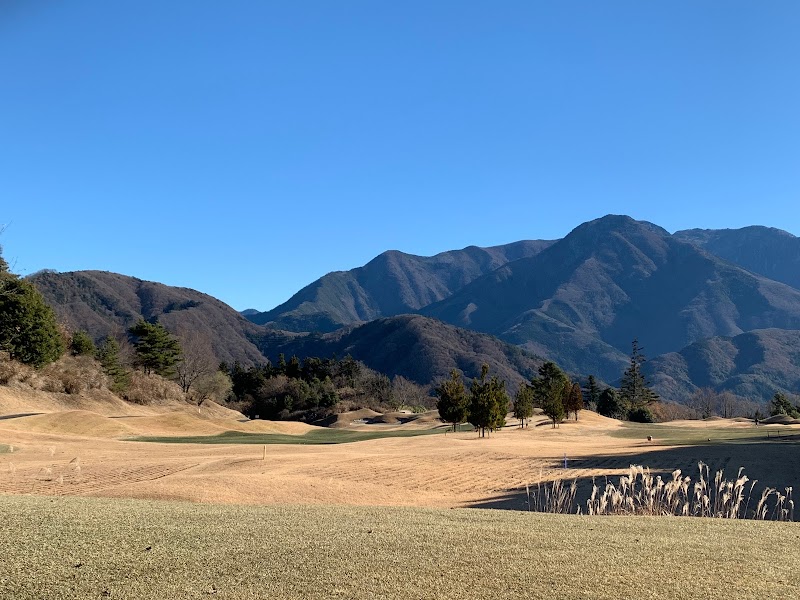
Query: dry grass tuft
x,y
641,493
556,498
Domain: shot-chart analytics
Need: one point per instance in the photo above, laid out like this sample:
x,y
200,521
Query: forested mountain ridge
x,y
103,303
583,299
770,252
393,283
579,301
413,346
753,365
416,347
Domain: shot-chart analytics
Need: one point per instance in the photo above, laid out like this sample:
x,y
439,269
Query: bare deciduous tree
x,y
704,401
197,361
407,393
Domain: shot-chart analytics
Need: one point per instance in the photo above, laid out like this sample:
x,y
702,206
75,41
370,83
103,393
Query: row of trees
x,y
552,391
484,407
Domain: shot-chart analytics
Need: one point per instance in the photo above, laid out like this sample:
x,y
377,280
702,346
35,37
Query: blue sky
x,y
244,149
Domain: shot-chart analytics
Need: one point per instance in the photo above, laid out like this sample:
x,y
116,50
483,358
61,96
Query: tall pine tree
x,y
574,403
634,390
488,402
523,404
157,351
550,390
591,393
453,404
108,356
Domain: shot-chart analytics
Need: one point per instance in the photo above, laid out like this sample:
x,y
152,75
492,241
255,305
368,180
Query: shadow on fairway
x,y
773,462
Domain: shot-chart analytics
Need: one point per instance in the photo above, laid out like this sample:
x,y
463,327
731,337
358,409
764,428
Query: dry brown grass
x,y
641,493
88,548
68,375
149,389
12,372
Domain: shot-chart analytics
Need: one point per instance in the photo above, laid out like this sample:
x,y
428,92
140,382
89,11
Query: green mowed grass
x,y
315,437
665,434
93,548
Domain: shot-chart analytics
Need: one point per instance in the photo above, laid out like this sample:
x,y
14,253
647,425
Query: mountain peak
x,y
610,223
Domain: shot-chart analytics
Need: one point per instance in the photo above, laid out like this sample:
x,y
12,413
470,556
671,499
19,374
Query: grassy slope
x,y
87,548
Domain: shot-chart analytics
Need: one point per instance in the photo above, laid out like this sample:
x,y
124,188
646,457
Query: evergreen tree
x,y
609,405
488,402
28,328
108,356
591,393
81,344
157,351
550,391
453,404
641,415
780,405
574,403
293,369
523,404
634,390
281,368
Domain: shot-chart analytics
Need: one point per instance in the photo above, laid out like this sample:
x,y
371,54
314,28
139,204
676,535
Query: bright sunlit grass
x,y
90,548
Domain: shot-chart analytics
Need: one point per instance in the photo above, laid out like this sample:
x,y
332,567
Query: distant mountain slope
x,y
393,283
770,252
421,349
583,299
416,347
754,365
102,303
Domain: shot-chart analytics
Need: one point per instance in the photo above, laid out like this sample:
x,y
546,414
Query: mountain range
x,y
393,283
770,252
421,349
713,308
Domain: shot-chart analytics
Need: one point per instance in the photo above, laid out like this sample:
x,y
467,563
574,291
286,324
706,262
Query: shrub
x,y
641,415
11,370
72,375
81,344
150,389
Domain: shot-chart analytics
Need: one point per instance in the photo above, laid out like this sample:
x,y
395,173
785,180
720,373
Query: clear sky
x,y
244,149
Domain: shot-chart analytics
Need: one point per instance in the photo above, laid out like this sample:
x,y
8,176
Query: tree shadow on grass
x,y
773,462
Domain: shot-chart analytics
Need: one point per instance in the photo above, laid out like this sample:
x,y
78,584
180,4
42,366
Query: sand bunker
x,y
350,418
